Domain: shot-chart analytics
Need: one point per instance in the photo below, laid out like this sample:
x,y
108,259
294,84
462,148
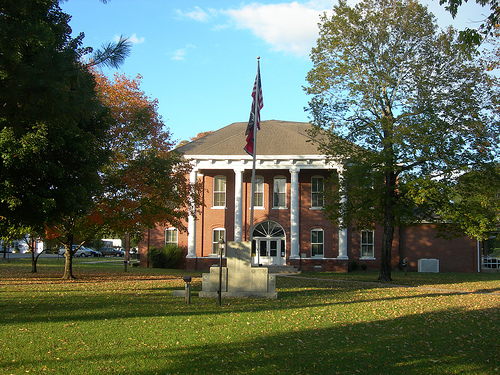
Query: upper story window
x,y
258,194
219,191
317,242
171,235
317,192
218,235
279,192
367,244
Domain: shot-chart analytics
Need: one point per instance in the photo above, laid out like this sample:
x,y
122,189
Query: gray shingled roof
x,y
274,138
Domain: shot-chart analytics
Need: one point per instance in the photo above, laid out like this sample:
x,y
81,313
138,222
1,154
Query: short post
x,y
187,289
221,250
405,266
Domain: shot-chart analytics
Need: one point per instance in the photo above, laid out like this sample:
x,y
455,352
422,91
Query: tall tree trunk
x,y
33,262
386,253
34,257
388,235
68,256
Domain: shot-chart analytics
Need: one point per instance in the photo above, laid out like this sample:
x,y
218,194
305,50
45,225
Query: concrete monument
x,y
239,278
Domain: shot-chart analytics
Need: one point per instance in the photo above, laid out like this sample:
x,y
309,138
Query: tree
x,y
200,135
488,25
50,120
406,112
53,129
145,182
474,204
51,125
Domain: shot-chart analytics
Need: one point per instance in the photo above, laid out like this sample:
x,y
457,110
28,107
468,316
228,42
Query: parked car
x,y
95,253
111,251
82,252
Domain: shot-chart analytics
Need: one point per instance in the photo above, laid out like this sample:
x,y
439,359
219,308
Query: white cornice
x,y
296,162
259,157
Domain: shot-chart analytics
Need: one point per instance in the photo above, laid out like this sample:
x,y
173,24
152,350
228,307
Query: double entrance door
x,y
268,251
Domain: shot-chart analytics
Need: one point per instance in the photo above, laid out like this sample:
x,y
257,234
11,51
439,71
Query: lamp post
x,y
221,250
187,289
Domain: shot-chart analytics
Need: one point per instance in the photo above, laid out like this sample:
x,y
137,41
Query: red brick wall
x,y
456,255
314,219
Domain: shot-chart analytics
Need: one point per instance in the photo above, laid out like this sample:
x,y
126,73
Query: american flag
x,y
254,121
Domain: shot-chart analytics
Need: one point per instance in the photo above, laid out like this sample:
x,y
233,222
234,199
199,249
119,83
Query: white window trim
x,y
367,257
214,191
317,230
212,254
322,206
263,189
176,237
285,207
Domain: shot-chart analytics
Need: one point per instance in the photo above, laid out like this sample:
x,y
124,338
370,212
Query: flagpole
x,y
252,190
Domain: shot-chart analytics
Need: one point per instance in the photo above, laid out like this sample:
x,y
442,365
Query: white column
x,y
192,219
294,214
342,244
342,232
238,205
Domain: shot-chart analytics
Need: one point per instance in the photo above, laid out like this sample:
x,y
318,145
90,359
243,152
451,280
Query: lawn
x,y
108,321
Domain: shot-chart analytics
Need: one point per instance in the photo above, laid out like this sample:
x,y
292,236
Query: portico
x,y
281,178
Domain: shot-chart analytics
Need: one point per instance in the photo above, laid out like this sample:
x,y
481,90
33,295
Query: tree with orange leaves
x,y
200,135
144,183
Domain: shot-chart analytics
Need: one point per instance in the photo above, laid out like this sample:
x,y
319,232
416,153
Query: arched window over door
x,y
268,245
268,229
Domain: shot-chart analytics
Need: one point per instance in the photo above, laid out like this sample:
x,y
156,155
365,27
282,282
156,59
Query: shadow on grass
x,y
451,341
412,278
413,344
486,291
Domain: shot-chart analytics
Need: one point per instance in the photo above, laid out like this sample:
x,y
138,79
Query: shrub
x,y
353,266
168,256
364,267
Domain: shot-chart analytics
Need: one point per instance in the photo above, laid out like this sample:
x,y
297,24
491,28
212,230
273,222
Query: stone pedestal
x,y
239,278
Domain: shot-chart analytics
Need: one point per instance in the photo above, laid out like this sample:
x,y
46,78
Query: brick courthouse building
x,y
289,226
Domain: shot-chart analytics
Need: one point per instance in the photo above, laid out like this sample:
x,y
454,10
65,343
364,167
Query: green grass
x,y
108,321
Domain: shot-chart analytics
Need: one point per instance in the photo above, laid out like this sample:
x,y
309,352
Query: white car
x,y
82,252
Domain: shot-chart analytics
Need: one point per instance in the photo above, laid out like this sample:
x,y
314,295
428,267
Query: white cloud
x,y
197,14
180,53
132,39
287,27
135,40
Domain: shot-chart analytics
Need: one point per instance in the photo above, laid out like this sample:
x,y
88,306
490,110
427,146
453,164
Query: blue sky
x,y
199,58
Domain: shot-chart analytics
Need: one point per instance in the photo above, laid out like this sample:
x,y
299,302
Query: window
x,y
273,248
171,236
317,192
268,228
317,242
219,191
279,192
217,235
258,194
367,244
